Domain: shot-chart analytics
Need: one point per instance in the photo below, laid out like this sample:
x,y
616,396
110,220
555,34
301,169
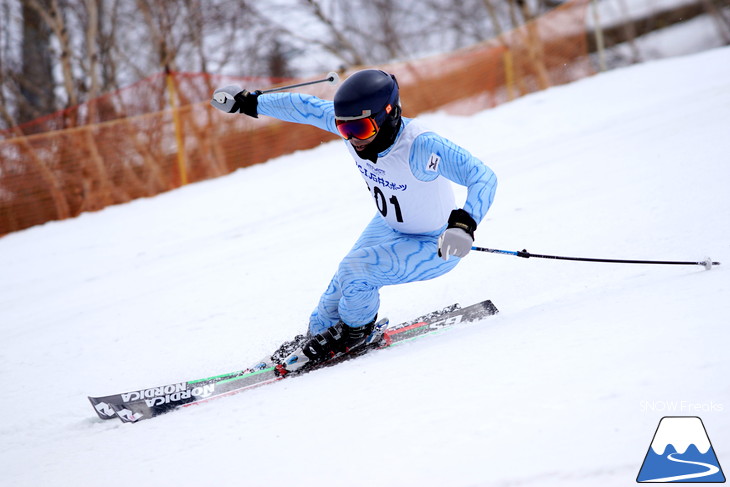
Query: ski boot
x,y
334,341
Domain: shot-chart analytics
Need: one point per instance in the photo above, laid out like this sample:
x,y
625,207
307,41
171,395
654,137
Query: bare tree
x,y
96,46
160,18
33,80
339,40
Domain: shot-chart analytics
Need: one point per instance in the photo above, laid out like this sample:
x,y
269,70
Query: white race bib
x,y
408,204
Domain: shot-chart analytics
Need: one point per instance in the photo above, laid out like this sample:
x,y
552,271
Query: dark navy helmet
x,y
368,93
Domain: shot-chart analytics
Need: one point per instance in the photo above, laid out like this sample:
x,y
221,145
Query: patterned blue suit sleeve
x,y
299,108
458,165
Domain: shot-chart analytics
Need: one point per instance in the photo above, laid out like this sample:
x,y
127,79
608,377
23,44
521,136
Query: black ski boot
x,y
311,350
340,338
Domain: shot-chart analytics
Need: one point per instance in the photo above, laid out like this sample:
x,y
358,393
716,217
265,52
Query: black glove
x,y
247,103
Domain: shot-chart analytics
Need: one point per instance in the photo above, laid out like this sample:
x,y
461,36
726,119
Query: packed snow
x,y
564,387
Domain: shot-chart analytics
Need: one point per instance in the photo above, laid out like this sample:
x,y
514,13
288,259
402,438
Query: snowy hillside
x,y
564,387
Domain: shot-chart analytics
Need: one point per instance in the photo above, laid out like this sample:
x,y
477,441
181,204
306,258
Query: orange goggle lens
x,y
362,128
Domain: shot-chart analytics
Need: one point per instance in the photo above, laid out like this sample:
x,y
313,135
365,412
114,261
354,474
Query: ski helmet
x,y
368,93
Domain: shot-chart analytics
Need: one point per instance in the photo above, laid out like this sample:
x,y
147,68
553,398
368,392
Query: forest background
x,y
56,54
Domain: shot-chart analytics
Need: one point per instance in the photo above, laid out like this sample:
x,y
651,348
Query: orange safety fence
x,y
161,132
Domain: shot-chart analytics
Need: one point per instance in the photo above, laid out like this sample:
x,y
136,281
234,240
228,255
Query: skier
x,y
418,232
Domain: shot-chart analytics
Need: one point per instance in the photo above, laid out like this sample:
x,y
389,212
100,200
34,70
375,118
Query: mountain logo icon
x,y
681,452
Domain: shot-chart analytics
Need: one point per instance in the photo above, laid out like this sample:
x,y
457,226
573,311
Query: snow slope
x,y
564,387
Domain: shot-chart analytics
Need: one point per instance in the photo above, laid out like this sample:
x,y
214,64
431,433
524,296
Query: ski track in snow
x,y
208,278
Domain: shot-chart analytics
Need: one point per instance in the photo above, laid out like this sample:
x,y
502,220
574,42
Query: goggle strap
x,y
364,114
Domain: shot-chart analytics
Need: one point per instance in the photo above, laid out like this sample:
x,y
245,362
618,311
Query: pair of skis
x,y
148,403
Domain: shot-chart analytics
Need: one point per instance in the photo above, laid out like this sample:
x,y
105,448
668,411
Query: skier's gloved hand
x,y
234,99
458,237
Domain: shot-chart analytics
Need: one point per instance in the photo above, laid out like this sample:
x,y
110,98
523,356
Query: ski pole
x,y
708,263
332,78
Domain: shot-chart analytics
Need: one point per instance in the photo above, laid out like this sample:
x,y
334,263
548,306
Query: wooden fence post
x,y
181,159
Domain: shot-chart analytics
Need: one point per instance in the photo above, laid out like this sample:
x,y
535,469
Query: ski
x,y
144,404
103,405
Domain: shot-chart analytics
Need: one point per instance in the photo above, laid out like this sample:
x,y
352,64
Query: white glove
x,y
458,237
224,98
454,241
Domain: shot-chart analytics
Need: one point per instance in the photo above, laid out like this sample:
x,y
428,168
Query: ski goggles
x,y
358,128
